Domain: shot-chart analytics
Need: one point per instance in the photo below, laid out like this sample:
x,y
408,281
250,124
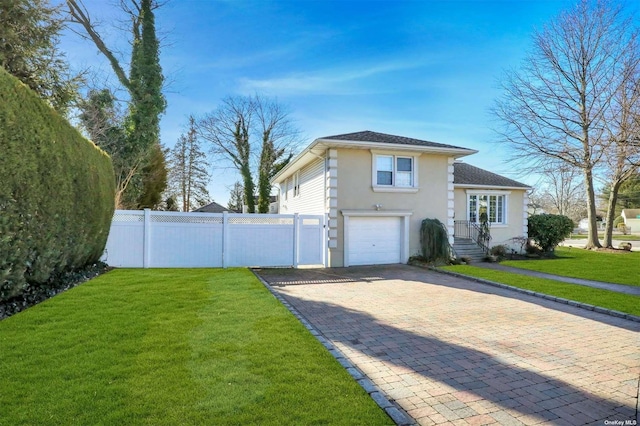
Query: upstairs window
x,y
394,171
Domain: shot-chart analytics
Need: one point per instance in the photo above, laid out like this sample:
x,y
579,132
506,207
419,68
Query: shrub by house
x,y
56,192
549,230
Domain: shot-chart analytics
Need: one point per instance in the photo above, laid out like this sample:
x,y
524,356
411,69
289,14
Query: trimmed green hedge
x,y
56,192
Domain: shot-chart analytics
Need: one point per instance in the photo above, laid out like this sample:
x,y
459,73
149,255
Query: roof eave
x,y
339,143
324,144
480,186
307,155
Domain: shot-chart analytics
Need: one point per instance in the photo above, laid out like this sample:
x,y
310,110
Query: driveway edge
x,y
580,305
393,410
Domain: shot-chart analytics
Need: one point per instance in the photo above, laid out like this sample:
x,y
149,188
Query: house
x,y
376,189
213,207
631,219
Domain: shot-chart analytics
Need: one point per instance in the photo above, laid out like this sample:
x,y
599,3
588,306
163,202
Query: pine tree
x,y
188,175
236,198
29,36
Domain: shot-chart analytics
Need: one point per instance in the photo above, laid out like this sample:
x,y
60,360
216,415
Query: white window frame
x,y
394,187
296,184
488,194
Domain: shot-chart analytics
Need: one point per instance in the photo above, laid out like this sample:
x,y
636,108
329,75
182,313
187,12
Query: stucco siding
x,y
311,194
355,192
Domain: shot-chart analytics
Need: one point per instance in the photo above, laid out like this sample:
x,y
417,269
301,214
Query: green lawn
x,y
156,347
617,237
620,268
592,296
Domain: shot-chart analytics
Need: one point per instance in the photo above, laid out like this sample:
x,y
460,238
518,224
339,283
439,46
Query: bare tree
x,y
188,175
239,129
563,192
147,180
104,123
623,152
555,107
278,136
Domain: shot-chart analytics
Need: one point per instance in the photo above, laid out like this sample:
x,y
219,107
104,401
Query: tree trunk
x,y
592,237
264,171
249,196
611,213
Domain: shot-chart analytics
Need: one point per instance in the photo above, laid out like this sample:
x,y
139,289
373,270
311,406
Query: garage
x,y
374,240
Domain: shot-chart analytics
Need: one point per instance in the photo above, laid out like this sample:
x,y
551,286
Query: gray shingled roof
x,y
631,213
466,174
213,208
369,136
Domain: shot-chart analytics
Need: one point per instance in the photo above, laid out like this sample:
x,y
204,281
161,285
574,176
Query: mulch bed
x,y
35,294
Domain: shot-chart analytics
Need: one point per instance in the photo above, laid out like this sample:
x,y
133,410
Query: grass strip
x,y
167,347
618,268
593,296
616,237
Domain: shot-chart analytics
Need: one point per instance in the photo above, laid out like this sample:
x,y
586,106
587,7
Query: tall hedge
x,y
56,192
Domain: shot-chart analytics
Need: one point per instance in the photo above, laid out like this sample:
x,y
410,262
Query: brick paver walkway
x,y
448,350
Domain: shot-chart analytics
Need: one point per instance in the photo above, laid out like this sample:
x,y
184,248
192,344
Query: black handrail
x,y
472,231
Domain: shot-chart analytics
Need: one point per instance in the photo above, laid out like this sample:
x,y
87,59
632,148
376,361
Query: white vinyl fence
x,y
152,239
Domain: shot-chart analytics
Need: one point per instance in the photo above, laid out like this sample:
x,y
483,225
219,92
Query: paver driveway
x,y
452,350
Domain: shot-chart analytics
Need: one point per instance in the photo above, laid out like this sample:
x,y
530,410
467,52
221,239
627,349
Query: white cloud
x,y
336,81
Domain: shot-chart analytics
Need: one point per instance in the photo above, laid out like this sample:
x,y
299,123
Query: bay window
x,y
494,205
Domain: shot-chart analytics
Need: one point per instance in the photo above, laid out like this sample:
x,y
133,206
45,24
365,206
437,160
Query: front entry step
x,y
466,247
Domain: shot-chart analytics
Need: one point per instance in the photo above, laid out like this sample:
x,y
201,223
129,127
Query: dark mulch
x,y
35,294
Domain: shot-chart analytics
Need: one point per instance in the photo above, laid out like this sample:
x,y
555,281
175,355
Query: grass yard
x,y
620,268
616,237
593,296
168,347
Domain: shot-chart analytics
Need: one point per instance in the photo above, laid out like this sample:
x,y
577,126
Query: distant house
x,y
214,207
631,219
377,188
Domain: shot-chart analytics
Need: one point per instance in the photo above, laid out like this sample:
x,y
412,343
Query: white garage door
x,y
374,240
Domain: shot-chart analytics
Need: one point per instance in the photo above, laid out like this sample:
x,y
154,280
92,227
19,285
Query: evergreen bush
x,y
617,221
549,230
56,192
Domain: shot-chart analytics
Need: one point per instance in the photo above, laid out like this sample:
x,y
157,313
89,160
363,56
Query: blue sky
x,y
422,69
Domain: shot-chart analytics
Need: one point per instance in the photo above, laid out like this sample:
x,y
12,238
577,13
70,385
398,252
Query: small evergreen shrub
x,y
617,221
549,230
499,251
56,192
434,242
623,228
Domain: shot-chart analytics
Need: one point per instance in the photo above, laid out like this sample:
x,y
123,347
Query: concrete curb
x,y
580,305
393,410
